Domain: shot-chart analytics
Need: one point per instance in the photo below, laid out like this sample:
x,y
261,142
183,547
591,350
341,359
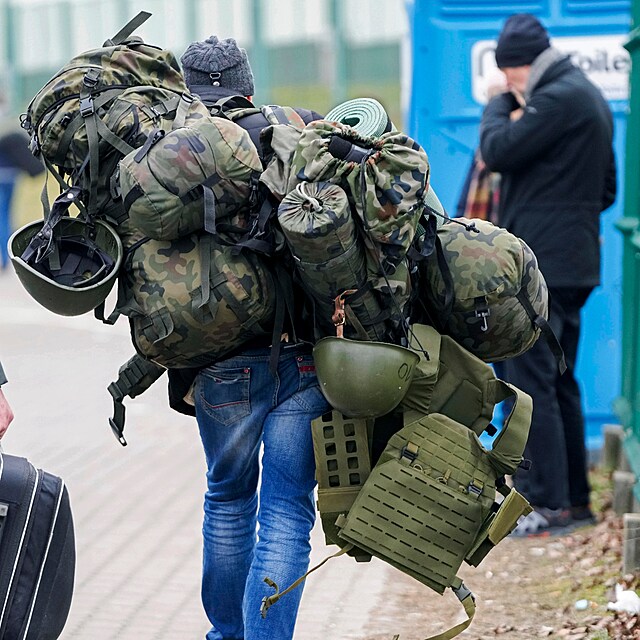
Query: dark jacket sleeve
x,y
3,377
508,145
14,147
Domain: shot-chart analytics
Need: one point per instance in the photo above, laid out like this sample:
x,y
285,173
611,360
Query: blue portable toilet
x,y
453,44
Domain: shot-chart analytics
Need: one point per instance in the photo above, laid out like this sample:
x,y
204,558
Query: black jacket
x,y
558,171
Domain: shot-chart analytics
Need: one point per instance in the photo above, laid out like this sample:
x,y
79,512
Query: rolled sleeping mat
x,y
432,200
317,223
369,118
366,115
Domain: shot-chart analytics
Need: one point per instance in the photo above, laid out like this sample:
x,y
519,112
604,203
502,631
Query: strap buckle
x,y
86,107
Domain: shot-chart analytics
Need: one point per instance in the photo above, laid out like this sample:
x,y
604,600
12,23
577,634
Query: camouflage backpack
x,y
384,180
80,127
435,497
482,286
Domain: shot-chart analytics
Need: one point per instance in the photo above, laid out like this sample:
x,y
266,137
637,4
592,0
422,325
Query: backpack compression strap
x,y
128,29
134,377
547,331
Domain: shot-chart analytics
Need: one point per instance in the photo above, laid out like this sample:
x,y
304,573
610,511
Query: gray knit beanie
x,y
220,63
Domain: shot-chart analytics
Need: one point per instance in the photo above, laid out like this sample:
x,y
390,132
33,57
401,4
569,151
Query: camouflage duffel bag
x,y
191,301
188,178
482,286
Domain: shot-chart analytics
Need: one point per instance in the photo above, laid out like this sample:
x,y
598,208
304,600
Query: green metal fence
x,y
317,58
627,406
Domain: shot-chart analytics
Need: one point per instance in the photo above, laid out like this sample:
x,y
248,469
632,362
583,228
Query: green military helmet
x,y
75,272
363,379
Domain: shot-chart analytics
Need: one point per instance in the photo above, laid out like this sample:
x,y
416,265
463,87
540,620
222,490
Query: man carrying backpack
x,y
241,406
558,175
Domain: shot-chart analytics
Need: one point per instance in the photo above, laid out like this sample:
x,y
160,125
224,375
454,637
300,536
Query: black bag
x,y
37,552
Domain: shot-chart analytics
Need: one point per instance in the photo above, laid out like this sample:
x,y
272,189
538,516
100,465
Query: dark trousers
x,y
556,444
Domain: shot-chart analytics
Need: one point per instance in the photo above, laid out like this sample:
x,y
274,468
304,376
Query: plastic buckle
x,y
410,452
462,592
86,106
474,489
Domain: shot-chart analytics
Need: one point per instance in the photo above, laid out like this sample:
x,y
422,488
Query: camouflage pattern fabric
x,y
190,301
386,187
328,253
488,269
163,191
58,102
54,120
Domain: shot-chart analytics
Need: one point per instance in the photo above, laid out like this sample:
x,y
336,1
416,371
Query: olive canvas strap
x,y
468,602
267,601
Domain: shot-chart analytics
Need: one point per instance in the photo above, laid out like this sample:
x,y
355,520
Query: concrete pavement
x,y
137,509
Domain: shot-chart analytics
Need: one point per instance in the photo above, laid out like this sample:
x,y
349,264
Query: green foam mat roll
x,y
366,115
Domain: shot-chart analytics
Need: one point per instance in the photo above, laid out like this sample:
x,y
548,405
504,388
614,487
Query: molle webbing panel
x,y
341,449
425,501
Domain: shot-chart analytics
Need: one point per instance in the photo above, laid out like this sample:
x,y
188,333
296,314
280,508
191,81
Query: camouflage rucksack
x,y
482,286
192,300
79,128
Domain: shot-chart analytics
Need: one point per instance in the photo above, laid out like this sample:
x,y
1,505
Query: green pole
x,y
628,405
191,15
339,88
260,55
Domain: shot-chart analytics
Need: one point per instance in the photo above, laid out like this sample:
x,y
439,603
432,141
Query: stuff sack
x,y
192,300
186,179
329,255
386,178
482,286
65,117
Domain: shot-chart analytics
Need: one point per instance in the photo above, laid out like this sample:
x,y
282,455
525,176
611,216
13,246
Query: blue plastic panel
x,y
453,43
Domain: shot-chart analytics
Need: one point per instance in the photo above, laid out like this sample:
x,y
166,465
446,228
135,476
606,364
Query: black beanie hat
x,y
220,63
522,40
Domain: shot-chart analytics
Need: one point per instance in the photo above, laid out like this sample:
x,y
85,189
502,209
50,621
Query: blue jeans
x,y
240,406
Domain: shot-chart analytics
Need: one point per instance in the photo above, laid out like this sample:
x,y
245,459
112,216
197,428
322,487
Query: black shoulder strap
x,y
134,377
550,337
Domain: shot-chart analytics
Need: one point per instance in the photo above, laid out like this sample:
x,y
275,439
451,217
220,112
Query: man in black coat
x,y
550,137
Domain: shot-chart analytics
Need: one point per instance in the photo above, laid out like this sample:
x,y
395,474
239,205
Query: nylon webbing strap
x,y
547,331
507,449
468,602
267,601
128,29
134,377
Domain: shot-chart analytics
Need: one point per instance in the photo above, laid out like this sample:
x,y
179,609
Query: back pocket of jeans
x,y
224,393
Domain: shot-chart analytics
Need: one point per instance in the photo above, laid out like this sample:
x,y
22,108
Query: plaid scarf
x,y
484,192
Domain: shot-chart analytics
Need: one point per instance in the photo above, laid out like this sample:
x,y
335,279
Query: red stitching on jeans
x,y
306,368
